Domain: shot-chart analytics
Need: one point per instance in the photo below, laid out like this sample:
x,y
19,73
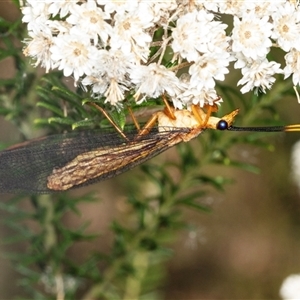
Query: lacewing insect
x,y
65,161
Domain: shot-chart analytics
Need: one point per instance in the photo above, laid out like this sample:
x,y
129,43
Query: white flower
x,y
110,75
106,45
191,35
185,36
61,7
196,33
287,27
251,36
114,64
259,74
219,42
160,10
115,93
74,54
290,288
154,80
242,61
112,90
120,7
259,8
90,19
201,97
264,8
211,5
295,165
34,11
233,7
208,68
99,84
292,60
38,24
58,27
38,47
130,34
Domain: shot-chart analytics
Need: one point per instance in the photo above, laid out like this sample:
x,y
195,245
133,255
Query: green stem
x,y
133,287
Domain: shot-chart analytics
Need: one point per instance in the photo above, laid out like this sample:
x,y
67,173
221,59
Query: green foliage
x,y
134,266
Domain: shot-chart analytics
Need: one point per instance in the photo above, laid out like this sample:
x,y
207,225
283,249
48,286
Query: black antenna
x,y
287,128
223,125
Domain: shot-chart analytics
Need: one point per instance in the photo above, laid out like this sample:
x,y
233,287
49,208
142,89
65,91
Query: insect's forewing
x,y
96,155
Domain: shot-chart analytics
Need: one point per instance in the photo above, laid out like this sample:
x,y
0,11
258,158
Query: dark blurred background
x,y
243,249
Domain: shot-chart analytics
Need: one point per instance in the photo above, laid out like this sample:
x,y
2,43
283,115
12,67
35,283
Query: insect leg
x,y
199,115
168,110
204,117
136,123
150,123
108,118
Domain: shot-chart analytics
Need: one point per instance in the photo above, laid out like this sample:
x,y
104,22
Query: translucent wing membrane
x,y
90,156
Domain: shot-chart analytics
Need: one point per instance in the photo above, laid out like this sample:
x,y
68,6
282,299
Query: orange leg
x,y
146,128
109,119
136,123
168,110
197,111
209,110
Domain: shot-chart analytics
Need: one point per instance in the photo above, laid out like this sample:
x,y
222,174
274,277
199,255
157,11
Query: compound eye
x,y
222,125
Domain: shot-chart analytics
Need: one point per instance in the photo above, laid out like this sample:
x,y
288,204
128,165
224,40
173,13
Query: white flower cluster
x,y
290,288
147,47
